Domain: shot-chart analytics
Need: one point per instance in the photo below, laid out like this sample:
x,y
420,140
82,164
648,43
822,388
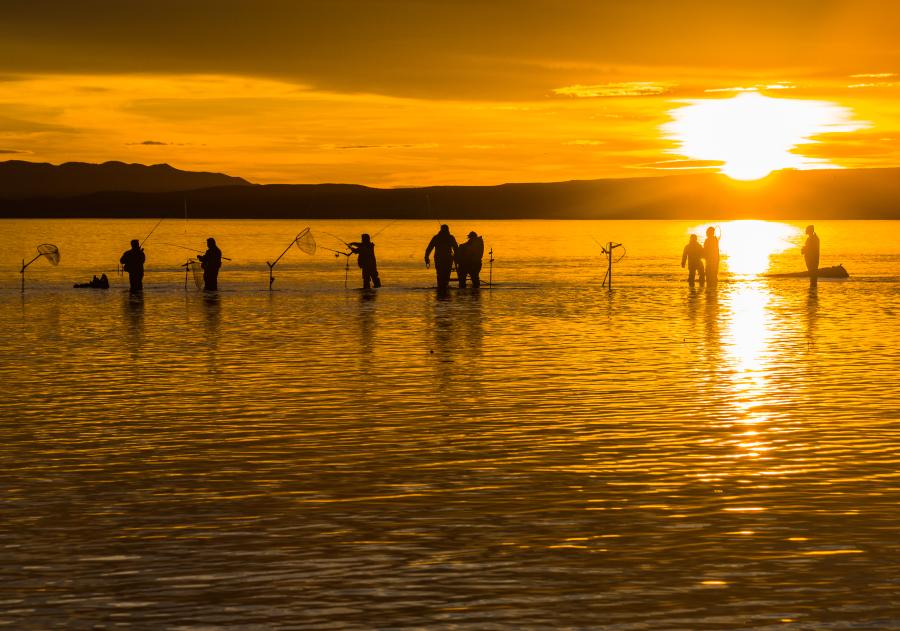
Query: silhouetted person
x,y
365,251
693,254
445,247
810,252
133,262
211,262
468,260
711,254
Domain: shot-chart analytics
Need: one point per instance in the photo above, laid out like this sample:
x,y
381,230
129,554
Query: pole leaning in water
x,y
608,251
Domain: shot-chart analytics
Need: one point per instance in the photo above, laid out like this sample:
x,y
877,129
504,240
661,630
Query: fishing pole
x,y
141,244
385,228
334,236
336,252
184,247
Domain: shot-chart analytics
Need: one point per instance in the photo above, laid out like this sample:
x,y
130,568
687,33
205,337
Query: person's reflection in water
x,y
713,341
457,346
367,324
212,311
812,314
133,314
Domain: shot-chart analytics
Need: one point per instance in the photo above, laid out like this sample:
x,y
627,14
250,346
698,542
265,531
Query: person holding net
x,y
365,251
133,262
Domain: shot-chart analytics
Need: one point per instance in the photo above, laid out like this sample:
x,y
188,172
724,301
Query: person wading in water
x,y
365,251
444,246
693,254
211,262
468,260
133,262
810,253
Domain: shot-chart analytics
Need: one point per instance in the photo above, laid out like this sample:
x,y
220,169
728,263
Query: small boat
x,y
835,271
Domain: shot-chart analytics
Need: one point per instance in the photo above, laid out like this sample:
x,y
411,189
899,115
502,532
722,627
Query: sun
x,y
750,135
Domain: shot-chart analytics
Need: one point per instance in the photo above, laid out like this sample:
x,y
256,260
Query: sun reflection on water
x,y
747,246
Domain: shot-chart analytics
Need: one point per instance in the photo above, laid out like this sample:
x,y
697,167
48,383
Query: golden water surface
x,y
544,453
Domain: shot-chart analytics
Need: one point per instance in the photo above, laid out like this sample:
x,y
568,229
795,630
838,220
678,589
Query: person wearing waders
x,y
468,260
444,246
810,253
693,255
211,262
711,254
365,258
133,262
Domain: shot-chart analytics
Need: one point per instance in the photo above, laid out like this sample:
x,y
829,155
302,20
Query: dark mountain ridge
x,y
824,194
22,180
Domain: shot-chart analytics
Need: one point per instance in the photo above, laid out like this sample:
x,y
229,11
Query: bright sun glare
x,y
747,245
752,135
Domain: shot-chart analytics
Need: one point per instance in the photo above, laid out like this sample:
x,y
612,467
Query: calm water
x,y
542,454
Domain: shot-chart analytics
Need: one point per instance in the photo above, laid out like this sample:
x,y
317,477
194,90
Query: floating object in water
x,y
835,271
95,283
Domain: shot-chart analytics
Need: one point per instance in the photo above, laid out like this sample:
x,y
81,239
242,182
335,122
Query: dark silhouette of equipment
x,y
304,241
46,250
608,251
491,269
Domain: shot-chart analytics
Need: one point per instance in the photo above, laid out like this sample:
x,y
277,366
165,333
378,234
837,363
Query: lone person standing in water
x,y
133,262
810,252
693,254
711,254
211,261
365,251
445,247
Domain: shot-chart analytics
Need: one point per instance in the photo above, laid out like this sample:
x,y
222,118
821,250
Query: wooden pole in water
x,y
609,264
491,269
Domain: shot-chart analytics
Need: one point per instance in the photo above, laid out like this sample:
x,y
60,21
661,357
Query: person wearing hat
x,y
810,253
468,260
133,262
365,258
211,262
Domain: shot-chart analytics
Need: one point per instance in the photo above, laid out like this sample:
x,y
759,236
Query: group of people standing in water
x,y
695,254
702,260
133,262
466,256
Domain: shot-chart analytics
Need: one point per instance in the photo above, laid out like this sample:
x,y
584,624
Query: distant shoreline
x,y
817,194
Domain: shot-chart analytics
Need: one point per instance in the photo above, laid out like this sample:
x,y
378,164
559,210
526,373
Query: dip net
x,y
49,252
306,242
196,272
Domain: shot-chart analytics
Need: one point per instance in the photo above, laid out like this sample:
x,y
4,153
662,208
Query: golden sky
x,y
409,93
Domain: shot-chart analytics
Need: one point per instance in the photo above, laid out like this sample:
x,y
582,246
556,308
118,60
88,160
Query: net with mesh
x,y
306,242
49,252
196,272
